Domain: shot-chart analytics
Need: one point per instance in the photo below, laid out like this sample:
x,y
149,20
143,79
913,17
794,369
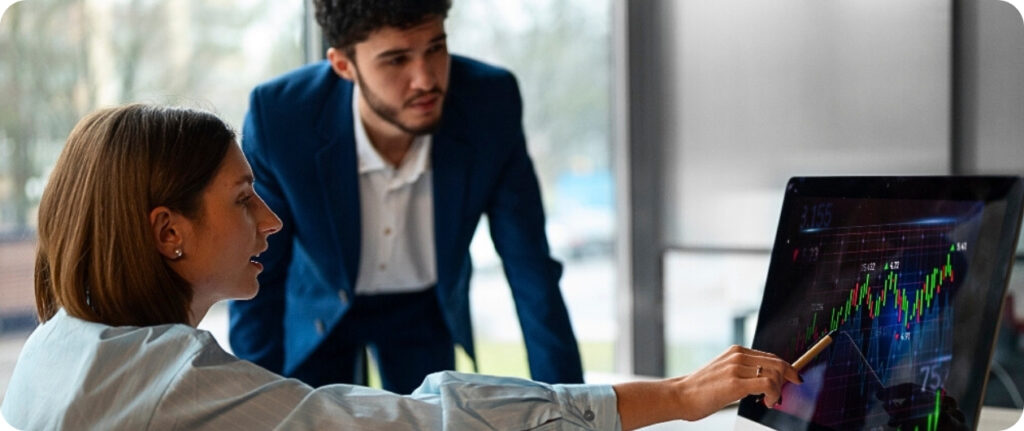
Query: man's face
x,y
403,75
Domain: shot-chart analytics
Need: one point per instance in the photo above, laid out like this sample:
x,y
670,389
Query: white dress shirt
x,y
397,253
79,375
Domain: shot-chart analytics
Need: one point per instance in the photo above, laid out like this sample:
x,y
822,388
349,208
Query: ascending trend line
x,y
909,309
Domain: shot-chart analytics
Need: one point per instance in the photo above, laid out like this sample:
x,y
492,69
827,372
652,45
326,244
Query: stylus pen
x,y
824,342
806,358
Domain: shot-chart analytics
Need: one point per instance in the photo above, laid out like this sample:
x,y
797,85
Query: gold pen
x,y
805,359
816,349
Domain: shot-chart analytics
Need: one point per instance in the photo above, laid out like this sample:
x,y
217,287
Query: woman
x,y
150,217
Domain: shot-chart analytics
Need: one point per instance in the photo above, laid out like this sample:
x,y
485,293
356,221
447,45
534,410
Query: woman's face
x,y
219,248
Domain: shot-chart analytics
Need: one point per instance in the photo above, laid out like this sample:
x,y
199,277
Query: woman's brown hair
x,y
97,255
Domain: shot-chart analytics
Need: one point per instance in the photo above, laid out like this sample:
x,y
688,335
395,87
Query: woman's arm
x,y
729,377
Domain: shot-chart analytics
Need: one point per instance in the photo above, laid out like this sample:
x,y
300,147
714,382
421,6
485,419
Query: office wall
x,y
768,90
991,87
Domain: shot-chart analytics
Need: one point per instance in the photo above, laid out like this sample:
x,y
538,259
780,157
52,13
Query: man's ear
x,y
342,65
167,229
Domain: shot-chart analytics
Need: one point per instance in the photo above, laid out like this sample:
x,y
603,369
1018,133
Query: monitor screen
x,y
910,273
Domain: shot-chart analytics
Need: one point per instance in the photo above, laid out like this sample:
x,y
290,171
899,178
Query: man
x,y
380,195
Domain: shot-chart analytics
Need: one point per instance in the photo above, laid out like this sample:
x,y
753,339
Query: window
x,y
61,59
560,52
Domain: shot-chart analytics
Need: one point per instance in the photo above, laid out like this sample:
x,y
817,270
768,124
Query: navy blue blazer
x,y
298,137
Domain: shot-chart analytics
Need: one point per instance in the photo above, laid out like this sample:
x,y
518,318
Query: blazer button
x,y
343,295
319,325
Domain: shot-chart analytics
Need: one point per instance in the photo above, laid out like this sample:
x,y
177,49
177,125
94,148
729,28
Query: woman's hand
x,y
734,374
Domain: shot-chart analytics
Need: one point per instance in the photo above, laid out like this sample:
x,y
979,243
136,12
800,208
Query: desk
x,y
992,419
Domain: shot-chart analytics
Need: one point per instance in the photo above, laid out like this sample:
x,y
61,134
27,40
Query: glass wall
x,y
61,59
560,52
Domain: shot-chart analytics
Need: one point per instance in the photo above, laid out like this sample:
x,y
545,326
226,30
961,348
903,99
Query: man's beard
x,y
390,113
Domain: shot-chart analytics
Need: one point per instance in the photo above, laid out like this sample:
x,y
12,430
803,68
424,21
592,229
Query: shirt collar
x,y
415,163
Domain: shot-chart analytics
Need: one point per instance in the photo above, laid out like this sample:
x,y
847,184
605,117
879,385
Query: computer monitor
x,y
912,273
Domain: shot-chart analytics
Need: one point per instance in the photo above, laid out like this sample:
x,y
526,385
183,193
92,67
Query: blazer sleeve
x,y
516,216
257,325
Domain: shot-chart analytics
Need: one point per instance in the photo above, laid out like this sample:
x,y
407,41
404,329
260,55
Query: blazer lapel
x,y
450,160
338,171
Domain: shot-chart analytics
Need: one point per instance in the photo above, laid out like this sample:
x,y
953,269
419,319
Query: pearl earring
x,y
178,253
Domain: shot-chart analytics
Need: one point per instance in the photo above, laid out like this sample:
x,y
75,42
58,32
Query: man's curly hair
x,y
348,22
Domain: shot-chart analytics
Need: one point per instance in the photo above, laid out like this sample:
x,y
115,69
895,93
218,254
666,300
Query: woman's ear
x,y
167,232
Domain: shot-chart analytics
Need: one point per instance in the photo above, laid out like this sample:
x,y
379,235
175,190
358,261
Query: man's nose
x,y
423,75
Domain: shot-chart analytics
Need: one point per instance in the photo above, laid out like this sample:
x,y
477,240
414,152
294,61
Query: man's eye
x,y
396,61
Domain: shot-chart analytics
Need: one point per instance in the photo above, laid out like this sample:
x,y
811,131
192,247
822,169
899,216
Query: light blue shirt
x,y
74,374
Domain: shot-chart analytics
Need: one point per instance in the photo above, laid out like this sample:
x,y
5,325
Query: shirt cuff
x,y
589,407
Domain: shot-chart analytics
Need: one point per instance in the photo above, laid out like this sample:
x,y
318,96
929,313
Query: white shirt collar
x,y
415,163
